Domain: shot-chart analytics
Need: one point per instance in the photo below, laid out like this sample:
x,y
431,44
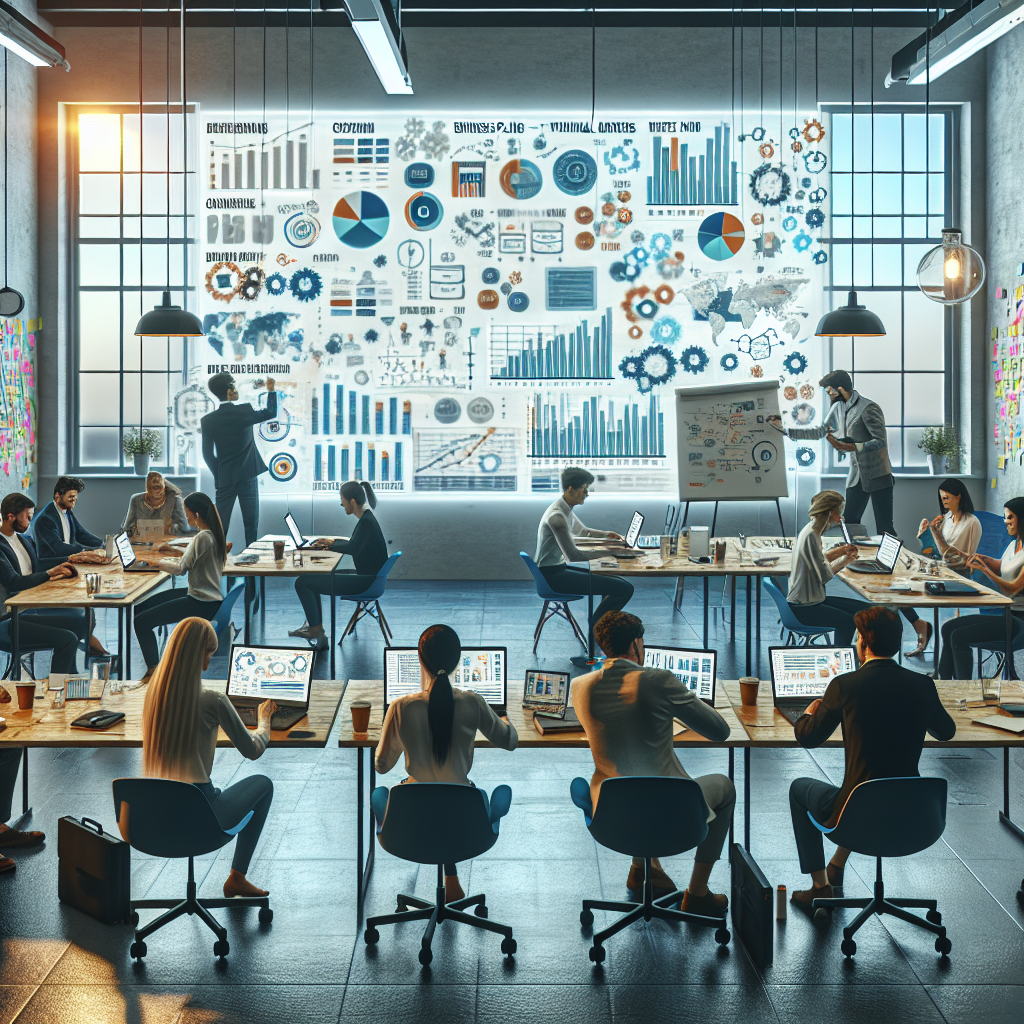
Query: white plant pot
x,y
937,465
141,464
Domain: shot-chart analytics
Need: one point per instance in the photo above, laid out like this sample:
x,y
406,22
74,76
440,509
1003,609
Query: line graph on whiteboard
x,y
484,460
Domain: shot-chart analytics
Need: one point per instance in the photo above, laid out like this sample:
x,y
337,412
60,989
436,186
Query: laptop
x,y
125,551
149,531
636,524
546,693
296,534
695,669
483,669
802,674
885,562
281,674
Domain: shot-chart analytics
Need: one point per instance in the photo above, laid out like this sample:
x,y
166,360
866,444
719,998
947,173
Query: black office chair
x,y
890,818
645,817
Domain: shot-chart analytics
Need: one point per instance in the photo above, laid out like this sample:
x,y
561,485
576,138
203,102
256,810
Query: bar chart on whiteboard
x,y
552,352
697,172
282,162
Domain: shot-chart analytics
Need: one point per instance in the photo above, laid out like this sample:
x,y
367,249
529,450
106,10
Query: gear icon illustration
x,y
794,132
275,284
757,219
758,134
795,363
815,218
770,185
216,284
797,146
820,257
815,161
695,359
805,457
757,371
667,330
802,242
767,150
252,284
655,365
661,244
515,277
637,237
729,362
638,257
630,367
305,284
819,195
789,224
814,131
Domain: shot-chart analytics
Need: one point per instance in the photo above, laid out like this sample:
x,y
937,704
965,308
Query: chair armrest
x,y
238,828
500,802
579,790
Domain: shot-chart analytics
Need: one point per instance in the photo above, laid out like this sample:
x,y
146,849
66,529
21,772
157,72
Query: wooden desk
x,y
71,594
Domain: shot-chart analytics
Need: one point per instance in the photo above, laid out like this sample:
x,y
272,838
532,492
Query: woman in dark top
x,y
368,550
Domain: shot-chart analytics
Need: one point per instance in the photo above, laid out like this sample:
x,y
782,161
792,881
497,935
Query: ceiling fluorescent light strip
x,y
28,41
379,33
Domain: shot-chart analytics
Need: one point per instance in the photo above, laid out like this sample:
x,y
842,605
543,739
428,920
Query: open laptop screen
x,y
282,674
805,672
483,669
889,550
846,532
293,529
124,550
636,524
696,670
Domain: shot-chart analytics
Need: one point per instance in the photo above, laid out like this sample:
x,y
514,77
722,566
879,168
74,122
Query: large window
x,y
891,194
126,250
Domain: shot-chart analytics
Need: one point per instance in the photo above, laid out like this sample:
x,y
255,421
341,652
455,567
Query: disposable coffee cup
x,y
108,545
748,691
26,695
278,550
361,715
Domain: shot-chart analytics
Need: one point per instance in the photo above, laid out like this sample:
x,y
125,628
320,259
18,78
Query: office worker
x,y
180,724
956,530
368,549
627,712
436,728
160,501
58,533
230,451
884,711
856,417
203,560
956,658
559,526
812,568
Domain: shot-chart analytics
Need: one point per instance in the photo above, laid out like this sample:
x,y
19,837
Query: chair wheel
x,y
137,950
934,916
821,914
221,948
597,954
481,910
371,936
722,936
849,947
509,946
266,915
133,919
586,918
943,945
425,957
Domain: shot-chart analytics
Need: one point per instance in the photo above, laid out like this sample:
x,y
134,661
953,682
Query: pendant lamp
x,y
850,321
953,272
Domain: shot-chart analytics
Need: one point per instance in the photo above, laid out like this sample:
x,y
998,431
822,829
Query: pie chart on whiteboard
x,y
361,219
720,236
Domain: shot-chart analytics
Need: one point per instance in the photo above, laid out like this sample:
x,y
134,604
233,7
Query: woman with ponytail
x,y
369,552
436,728
203,560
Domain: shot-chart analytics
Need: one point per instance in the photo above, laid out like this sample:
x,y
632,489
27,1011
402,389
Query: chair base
x,y
647,910
200,908
561,609
373,610
436,912
878,904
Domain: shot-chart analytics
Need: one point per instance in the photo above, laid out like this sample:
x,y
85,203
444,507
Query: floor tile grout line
x,y
35,991
981,883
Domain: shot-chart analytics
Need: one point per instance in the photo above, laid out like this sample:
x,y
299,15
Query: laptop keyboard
x,y
250,716
790,713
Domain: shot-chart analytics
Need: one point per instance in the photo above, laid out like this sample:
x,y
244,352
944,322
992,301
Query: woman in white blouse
x,y
956,530
436,728
956,660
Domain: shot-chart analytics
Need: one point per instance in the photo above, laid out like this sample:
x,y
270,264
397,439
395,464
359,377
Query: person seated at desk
x,y
627,712
559,526
58,533
884,711
160,501
956,531
956,659
180,723
368,549
203,560
437,728
812,568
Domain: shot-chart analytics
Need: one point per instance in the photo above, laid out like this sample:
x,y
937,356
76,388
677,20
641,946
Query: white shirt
x,y
558,526
811,569
202,565
1010,567
965,536
24,559
65,524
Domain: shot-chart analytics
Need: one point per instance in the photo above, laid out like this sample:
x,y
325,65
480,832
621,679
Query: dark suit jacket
x,y
46,531
884,710
11,578
229,448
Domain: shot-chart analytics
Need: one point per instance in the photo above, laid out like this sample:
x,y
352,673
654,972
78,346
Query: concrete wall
x,y
477,70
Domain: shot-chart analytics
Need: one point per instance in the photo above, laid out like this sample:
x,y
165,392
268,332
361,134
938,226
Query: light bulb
x,y
951,272
952,266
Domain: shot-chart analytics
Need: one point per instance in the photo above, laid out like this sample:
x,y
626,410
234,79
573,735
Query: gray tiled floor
x,y
59,967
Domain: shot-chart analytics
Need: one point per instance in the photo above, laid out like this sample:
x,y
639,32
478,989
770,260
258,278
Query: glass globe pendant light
x,y
952,272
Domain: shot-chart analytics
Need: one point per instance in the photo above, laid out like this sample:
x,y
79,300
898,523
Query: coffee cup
x,y
26,695
278,550
748,691
719,552
361,715
108,546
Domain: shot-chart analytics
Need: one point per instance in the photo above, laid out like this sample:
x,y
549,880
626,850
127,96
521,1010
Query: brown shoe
x,y
15,837
835,878
660,881
711,904
453,891
6,864
804,897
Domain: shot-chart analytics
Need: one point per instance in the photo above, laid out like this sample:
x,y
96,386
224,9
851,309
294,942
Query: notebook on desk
x,y
483,669
802,674
281,674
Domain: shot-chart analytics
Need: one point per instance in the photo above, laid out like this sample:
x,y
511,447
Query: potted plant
x,y
142,444
943,448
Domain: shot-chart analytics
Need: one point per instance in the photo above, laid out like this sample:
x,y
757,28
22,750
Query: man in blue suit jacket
x,y
56,531
59,629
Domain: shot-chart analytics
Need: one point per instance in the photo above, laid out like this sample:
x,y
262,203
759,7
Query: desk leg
x,y
333,626
120,644
15,645
705,611
364,868
732,609
1004,814
757,615
126,665
732,779
25,809
263,608
746,799
748,624
935,639
1008,670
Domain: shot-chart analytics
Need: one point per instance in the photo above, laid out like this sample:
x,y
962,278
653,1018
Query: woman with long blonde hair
x,y
179,737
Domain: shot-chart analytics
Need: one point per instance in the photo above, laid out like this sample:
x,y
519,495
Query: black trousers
x,y
956,659
819,798
10,761
248,495
59,629
310,589
881,505
567,580
162,610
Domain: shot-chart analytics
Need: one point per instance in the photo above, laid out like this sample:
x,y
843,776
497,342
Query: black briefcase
x,y
94,872
752,909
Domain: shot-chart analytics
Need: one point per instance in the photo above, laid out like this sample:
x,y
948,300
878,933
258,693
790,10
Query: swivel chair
x,y
367,602
890,818
174,819
644,817
440,823
559,603
791,625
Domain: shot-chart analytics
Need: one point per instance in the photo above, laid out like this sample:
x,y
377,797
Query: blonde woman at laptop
x,y
436,728
180,723
159,503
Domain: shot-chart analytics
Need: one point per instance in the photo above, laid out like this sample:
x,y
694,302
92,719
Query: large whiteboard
x,y
726,448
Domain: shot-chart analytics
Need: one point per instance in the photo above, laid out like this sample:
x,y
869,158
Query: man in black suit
x,y
60,630
885,711
56,531
230,451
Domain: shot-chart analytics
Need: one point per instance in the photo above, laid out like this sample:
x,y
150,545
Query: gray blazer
x,y
863,421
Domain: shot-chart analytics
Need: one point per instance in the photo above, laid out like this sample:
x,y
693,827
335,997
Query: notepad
x,y
1014,725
